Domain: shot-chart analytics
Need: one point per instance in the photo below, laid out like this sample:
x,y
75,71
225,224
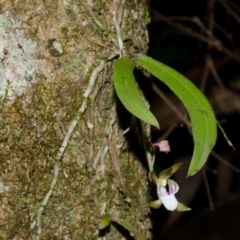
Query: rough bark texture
x,y
41,97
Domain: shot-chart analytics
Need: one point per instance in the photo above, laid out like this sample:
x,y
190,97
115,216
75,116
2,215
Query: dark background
x,y
199,38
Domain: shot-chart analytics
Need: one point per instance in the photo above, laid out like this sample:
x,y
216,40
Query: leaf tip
x,y
105,222
157,125
192,172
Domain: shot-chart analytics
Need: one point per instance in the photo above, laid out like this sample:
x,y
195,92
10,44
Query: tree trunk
x,y
63,159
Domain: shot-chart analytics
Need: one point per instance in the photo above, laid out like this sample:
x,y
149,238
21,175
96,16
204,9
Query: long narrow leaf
x,y
128,92
129,227
204,127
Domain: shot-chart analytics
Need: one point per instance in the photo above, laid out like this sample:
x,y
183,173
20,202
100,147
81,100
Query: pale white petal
x,y
169,201
162,191
173,186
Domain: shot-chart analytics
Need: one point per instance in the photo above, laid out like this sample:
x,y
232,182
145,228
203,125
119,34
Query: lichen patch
x,y
18,61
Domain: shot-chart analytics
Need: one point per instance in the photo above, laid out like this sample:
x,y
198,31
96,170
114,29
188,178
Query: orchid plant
x,y
166,190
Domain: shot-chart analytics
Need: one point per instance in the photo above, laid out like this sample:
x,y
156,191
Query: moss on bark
x,y
70,46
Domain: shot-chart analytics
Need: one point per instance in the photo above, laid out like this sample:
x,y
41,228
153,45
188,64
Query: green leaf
x,y
129,227
105,222
147,17
204,127
128,92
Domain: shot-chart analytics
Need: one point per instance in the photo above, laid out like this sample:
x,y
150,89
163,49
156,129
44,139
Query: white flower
x,y
166,190
167,197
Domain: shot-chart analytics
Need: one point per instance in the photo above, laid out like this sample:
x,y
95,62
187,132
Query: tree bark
x,y
64,161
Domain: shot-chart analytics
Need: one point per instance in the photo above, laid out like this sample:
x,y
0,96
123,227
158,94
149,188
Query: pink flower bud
x,y
163,146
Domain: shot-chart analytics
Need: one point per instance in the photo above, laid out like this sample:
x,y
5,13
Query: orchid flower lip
x,y
167,196
169,201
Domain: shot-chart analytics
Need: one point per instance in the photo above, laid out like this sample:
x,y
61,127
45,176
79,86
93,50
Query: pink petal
x,y
163,146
